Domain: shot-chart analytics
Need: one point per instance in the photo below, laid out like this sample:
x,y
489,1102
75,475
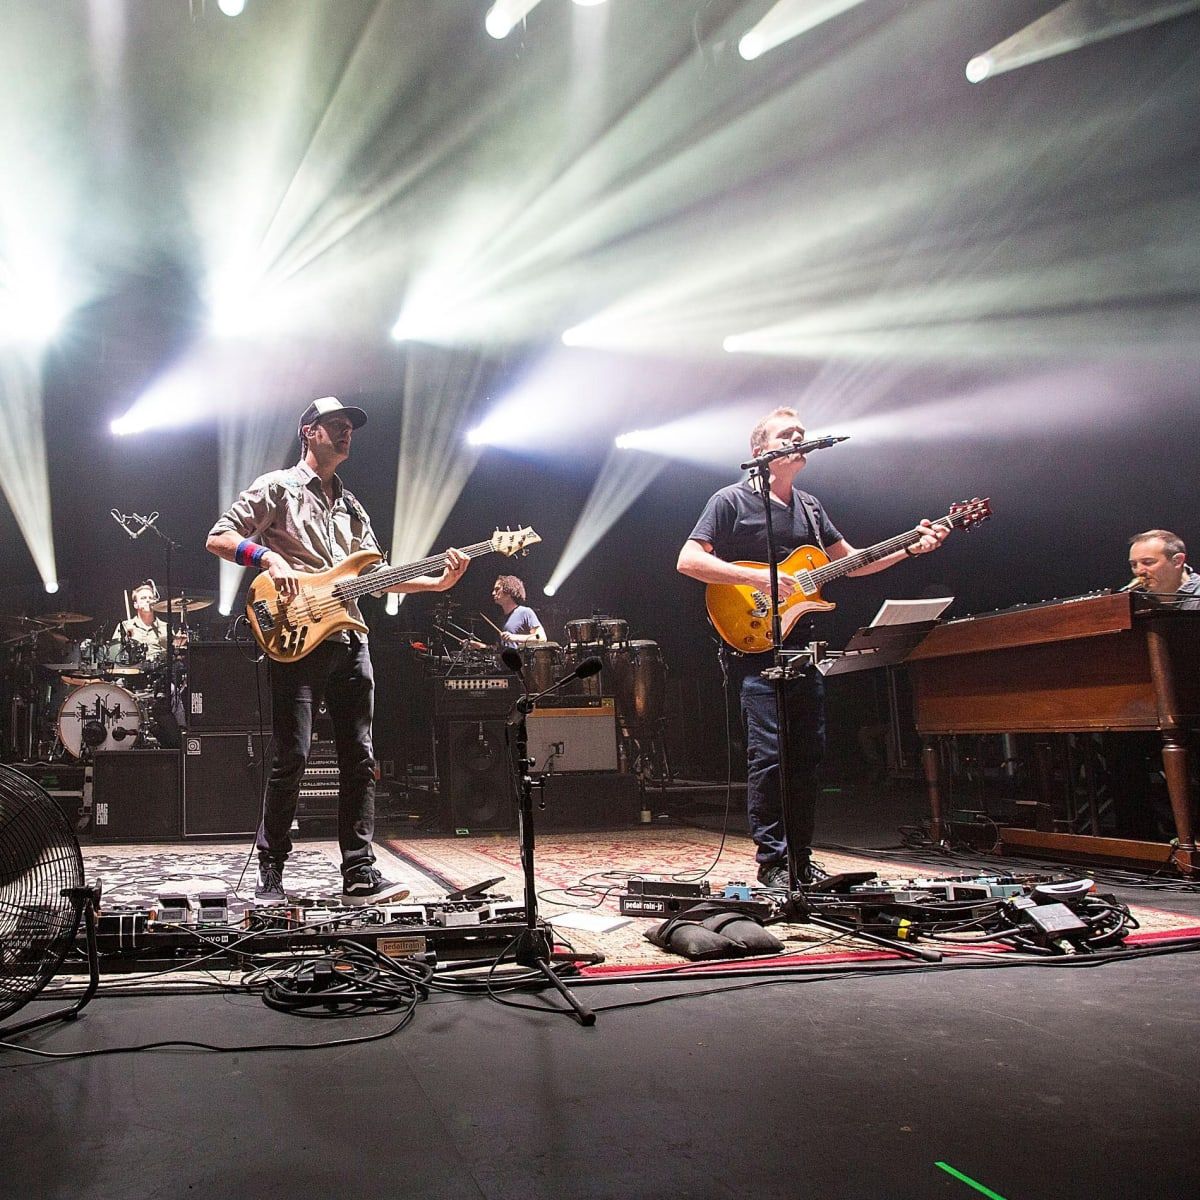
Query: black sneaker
x,y
810,873
365,885
773,875
270,884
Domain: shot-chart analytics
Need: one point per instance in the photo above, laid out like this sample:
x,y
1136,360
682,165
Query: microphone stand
x,y
151,523
780,670
534,945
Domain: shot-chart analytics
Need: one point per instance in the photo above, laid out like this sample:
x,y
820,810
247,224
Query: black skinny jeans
x,y
340,674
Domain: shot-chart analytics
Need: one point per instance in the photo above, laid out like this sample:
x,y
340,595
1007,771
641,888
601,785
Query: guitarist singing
x,y
291,522
730,534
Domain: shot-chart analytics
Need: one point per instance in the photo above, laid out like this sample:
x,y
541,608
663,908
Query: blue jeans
x,y
340,674
806,747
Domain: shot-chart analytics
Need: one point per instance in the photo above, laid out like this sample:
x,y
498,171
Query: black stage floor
x,y
1034,1082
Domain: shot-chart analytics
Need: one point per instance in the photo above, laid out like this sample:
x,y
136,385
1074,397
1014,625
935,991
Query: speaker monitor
x,y
227,689
475,779
589,801
224,775
565,740
135,796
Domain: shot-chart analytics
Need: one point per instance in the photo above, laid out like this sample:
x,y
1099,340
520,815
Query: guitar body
x,y
742,614
289,631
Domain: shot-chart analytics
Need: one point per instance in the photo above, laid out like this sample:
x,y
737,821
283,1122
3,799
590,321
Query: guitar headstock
x,y
514,541
966,514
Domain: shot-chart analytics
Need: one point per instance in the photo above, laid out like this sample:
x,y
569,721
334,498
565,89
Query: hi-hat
x,y
63,618
191,603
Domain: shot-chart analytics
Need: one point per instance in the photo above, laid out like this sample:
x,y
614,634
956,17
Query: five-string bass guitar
x,y
287,630
742,614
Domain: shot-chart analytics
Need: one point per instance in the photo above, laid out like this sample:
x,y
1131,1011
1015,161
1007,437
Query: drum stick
x,y
492,624
128,614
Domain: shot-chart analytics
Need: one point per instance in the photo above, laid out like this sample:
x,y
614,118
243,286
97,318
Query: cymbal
x,y
191,603
63,618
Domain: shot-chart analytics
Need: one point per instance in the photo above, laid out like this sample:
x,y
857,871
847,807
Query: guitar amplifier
x,y
577,738
474,697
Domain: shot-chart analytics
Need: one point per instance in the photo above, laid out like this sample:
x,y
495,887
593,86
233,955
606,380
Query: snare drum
x,y
543,664
637,677
582,631
98,716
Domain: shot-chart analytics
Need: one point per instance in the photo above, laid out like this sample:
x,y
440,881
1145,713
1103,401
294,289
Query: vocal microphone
x,y
821,443
512,660
1133,585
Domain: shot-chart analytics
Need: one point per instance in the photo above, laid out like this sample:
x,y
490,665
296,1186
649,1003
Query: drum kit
x,y
73,698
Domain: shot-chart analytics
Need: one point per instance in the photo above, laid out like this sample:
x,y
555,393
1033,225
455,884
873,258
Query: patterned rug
x,y
579,877
138,874
582,873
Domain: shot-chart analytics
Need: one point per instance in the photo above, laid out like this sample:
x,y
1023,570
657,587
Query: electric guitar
x,y
287,630
742,614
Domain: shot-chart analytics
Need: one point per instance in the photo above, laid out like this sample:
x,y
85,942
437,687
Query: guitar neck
x,y
386,577
861,558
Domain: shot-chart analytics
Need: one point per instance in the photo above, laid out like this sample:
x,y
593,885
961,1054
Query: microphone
x,y
821,443
1135,584
512,660
146,522
589,666
122,520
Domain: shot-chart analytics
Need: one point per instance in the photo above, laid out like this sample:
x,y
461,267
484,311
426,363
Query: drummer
x,y
144,629
521,624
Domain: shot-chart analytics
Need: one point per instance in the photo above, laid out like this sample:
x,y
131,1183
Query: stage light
x,y
588,3
433,466
24,478
231,8
504,14
979,68
787,20
1070,26
622,479
52,586
549,590
391,603
224,607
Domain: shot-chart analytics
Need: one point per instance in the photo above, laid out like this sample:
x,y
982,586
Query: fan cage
x,y
39,860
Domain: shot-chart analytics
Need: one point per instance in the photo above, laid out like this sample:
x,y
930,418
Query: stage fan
x,y
42,897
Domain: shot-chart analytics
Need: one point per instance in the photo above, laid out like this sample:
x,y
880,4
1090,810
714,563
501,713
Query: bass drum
x,y
543,664
98,716
637,677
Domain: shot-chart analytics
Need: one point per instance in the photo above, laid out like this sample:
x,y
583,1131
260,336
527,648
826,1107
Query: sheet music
x,y
905,612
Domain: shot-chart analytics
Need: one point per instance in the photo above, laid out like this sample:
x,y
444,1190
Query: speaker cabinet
x,y
226,688
583,801
224,776
477,784
582,737
135,796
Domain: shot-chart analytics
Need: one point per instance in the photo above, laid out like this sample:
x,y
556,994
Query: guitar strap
x,y
809,504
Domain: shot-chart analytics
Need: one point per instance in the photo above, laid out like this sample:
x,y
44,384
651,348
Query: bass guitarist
x,y
729,546
288,523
